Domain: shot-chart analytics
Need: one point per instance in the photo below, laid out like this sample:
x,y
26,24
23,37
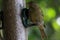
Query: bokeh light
x,y
58,20
55,24
50,13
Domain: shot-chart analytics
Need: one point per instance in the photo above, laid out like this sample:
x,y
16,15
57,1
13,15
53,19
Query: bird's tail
x,y
43,34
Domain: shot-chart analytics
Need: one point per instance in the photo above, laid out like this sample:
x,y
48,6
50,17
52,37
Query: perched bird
x,y
36,17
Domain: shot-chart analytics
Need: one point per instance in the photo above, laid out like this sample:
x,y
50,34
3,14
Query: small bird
x,y
36,17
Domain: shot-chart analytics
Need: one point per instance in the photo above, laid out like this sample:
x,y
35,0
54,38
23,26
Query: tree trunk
x,y
12,24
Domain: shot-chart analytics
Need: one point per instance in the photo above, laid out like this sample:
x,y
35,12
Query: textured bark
x,y
13,28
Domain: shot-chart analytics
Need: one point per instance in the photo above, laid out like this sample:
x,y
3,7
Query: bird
x,y
36,17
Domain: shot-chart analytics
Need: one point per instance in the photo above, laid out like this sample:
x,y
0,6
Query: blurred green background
x,y
51,11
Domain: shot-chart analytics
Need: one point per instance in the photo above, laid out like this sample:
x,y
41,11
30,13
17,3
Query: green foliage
x,y
34,34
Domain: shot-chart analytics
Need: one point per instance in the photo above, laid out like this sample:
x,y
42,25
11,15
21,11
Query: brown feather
x,y
36,17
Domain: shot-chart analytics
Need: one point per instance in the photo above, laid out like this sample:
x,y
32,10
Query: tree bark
x,y
12,24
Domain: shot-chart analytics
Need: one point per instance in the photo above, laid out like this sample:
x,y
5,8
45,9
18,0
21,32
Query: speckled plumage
x,y
36,17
